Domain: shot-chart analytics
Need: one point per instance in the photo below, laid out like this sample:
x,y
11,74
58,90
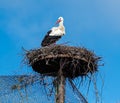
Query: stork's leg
x,y
54,44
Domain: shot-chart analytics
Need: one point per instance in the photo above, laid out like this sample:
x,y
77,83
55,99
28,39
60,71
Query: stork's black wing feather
x,y
48,40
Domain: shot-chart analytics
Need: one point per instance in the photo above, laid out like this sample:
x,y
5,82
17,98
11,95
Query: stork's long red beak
x,y
58,21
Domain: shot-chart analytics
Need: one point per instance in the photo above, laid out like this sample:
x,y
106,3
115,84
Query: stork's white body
x,y
54,34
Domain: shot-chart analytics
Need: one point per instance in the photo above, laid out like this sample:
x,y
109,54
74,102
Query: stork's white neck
x,y
61,23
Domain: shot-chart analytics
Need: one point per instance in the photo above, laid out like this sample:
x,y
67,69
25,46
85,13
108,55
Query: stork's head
x,y
60,19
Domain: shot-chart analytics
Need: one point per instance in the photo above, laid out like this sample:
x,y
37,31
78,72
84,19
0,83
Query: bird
x,y
54,34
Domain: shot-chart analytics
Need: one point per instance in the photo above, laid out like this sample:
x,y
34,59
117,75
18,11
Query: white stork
x,y
54,34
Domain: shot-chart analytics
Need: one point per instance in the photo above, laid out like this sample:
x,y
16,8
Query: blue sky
x,y
94,24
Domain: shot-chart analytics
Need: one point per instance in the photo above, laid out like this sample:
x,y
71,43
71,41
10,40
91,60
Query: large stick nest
x,y
73,61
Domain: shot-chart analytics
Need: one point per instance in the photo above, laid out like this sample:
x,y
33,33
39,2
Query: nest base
x,y
73,61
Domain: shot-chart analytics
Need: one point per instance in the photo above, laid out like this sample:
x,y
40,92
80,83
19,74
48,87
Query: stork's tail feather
x,y
48,40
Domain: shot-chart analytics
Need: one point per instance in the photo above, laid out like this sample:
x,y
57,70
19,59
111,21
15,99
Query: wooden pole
x,y
60,89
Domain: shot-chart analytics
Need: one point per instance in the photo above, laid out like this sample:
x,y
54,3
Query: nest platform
x,y
73,61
